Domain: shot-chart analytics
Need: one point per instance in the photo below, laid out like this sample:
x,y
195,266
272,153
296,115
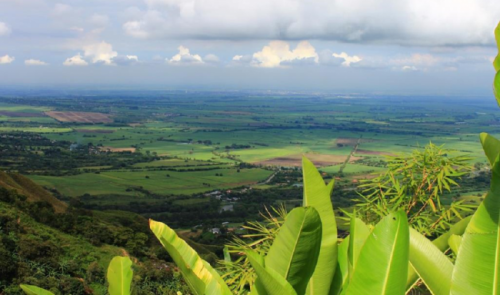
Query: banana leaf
x,y
382,265
198,274
268,281
477,268
119,276
34,290
318,195
295,250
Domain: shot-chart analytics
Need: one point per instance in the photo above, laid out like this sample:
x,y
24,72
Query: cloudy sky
x,y
379,46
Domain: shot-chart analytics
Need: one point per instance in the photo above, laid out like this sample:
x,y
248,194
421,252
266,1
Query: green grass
x,y
158,182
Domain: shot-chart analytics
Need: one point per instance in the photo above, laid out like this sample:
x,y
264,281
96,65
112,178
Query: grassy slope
x,y
27,187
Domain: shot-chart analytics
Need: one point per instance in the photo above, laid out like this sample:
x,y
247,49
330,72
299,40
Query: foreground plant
x,y
415,183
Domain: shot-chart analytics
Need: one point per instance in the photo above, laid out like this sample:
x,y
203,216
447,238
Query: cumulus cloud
x,y
347,58
6,59
76,60
35,62
125,60
100,53
409,22
211,59
4,29
185,57
278,53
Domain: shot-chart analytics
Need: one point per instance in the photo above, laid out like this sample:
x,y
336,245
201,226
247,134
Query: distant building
x,y
215,231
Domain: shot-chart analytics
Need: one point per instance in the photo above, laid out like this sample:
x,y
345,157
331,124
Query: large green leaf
x,y
268,281
199,275
496,62
34,290
359,232
119,276
442,244
295,250
431,264
318,195
382,265
342,270
477,269
455,242
491,146
496,85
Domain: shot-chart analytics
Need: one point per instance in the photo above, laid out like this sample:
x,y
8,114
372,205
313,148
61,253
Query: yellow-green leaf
x,y
359,232
341,277
455,242
295,250
477,268
382,265
199,275
318,195
268,281
119,276
34,290
432,266
491,146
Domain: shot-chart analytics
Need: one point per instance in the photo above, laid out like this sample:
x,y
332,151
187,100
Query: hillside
x,y
31,190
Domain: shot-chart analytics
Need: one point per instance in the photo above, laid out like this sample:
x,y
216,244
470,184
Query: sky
x,y
375,46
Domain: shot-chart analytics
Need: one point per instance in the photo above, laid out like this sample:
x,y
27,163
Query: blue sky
x,y
391,46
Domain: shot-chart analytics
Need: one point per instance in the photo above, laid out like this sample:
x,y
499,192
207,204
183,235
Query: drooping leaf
x,y
431,264
34,290
477,268
359,231
268,281
341,277
491,146
295,250
382,265
119,276
455,242
442,244
199,275
318,195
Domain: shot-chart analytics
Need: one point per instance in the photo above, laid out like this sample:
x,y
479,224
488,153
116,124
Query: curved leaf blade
x,y
341,277
455,242
383,262
359,232
119,276
199,275
295,250
318,195
268,281
491,146
477,269
442,244
430,263
34,290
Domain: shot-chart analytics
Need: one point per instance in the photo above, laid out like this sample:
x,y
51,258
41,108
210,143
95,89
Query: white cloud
x,y
4,29
35,62
185,57
409,22
61,9
278,53
76,60
100,52
125,60
347,58
409,68
211,59
6,59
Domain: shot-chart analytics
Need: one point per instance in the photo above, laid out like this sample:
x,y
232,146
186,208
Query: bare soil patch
x,y
80,117
319,160
117,150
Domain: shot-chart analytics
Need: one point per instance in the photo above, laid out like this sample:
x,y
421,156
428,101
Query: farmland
x,y
122,149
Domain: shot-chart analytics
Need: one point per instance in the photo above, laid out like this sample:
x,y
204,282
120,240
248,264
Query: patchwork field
x,y
80,117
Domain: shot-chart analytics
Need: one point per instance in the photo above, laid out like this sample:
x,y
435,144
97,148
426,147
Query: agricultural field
x,y
122,149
